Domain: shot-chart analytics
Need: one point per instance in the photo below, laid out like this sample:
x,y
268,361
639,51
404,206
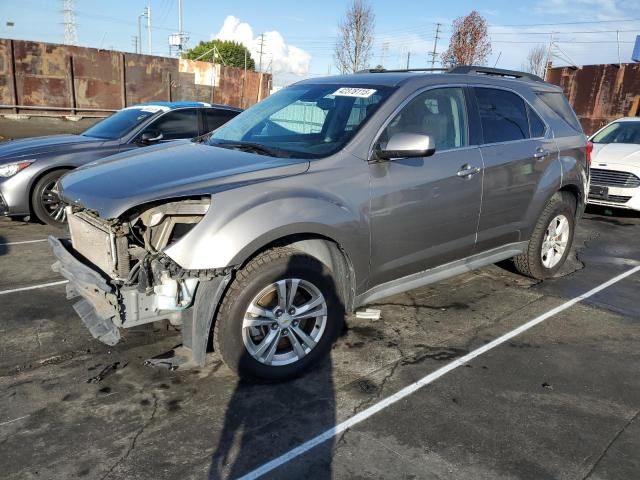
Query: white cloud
x,y
277,55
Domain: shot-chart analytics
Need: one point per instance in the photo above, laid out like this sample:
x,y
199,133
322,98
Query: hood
x,y
178,170
33,147
616,153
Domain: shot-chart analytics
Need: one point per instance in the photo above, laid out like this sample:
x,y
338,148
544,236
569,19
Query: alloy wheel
x,y
555,241
284,322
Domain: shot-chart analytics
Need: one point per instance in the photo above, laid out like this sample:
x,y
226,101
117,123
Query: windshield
x,y
619,132
121,123
303,120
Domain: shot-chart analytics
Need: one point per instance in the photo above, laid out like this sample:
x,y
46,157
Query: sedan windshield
x,y
121,123
302,120
619,132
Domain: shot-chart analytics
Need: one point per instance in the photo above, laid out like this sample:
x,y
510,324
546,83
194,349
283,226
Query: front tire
x,y
551,239
45,201
279,316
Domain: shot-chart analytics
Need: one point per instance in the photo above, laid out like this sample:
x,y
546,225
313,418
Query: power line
x,y
567,23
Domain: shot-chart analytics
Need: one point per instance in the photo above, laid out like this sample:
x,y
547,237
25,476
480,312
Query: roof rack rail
x,y
400,70
495,72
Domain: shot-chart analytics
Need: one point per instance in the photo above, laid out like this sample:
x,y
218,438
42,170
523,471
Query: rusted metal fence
x,y
600,93
50,79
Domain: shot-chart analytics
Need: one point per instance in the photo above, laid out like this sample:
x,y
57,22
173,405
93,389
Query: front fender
x,y
228,236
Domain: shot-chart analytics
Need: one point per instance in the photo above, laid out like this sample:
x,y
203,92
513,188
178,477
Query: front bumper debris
x,y
99,308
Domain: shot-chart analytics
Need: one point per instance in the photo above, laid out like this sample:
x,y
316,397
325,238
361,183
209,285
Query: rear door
x,y
424,211
517,149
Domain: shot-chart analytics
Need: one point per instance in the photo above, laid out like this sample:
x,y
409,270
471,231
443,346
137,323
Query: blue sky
x,y
301,34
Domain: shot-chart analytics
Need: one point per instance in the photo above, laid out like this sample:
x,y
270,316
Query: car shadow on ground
x,y
264,421
4,248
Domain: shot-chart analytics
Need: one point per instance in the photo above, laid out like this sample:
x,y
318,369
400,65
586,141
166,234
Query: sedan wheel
x,y
45,201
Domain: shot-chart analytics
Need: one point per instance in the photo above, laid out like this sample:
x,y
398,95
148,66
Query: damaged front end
x,y
125,279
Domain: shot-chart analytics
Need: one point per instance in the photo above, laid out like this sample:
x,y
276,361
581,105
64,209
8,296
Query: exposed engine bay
x,y
141,284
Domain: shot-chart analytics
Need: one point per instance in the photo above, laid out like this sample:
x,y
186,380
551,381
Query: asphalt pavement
x,y
560,399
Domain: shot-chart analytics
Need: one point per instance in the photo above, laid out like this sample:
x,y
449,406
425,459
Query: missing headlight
x,y
167,223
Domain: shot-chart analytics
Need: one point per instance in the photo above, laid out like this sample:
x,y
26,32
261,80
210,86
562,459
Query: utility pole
x,y
383,55
549,55
70,34
180,21
261,47
139,35
618,42
148,13
435,45
408,59
134,42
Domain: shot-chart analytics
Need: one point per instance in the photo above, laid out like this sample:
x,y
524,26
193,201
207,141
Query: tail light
x,y
588,149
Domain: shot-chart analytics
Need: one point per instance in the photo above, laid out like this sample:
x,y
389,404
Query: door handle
x,y
541,153
467,171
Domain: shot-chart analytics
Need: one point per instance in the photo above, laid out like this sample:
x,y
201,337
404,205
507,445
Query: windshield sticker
x,y
149,108
354,92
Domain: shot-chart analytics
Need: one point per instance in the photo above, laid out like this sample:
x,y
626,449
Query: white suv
x,y
615,171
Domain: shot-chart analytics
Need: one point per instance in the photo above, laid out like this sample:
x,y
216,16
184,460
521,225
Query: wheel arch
x,y
324,249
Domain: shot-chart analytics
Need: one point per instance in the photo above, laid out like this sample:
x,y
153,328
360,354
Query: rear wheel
x,y
279,316
45,200
551,239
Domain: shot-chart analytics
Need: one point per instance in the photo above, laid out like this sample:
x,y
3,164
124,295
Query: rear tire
x,y
279,316
551,240
45,202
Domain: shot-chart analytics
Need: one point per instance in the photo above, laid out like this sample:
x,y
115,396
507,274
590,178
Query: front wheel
x,y
45,200
551,239
279,316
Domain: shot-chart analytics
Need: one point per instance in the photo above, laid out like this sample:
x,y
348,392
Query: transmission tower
x,y
70,34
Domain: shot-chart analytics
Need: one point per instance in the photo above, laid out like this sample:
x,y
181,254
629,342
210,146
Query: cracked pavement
x,y
562,400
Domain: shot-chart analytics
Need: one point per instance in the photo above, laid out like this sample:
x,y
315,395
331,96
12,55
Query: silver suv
x,y
328,195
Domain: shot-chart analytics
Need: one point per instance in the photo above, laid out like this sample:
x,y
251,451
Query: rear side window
x,y
557,102
536,125
181,123
503,115
217,117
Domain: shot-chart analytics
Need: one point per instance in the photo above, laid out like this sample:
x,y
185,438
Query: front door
x,y
424,211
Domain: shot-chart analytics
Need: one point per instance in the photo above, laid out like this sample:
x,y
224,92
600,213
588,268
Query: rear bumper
x,y
99,307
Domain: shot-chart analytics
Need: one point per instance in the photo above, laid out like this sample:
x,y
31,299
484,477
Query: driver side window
x,y
440,113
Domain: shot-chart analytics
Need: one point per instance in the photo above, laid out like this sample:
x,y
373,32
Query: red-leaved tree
x,y
469,44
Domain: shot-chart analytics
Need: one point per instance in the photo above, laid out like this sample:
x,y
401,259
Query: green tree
x,y
230,53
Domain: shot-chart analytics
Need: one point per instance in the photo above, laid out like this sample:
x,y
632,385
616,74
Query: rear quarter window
x,y
557,102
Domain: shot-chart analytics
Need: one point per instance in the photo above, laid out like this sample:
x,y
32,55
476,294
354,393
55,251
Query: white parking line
x,y
14,420
33,287
24,241
405,392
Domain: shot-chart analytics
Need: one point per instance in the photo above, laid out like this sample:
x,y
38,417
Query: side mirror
x,y
407,145
150,137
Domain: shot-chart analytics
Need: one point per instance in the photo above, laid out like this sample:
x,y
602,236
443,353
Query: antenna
x,y
70,34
